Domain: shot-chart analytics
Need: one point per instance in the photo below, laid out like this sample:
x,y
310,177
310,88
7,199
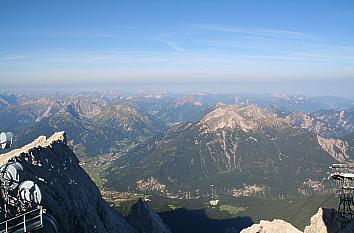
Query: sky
x,y
284,46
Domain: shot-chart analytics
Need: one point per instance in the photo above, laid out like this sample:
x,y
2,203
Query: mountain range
x,y
231,146
170,143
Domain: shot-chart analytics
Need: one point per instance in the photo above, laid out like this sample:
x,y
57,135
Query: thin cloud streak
x,y
13,57
170,44
252,30
146,58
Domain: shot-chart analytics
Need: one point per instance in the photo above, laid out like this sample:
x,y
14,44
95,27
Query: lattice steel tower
x,y
344,175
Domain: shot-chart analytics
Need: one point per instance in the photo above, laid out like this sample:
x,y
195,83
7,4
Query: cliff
x,y
337,148
68,193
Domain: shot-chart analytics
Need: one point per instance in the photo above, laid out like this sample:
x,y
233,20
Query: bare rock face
x,y
337,148
325,221
245,118
326,123
146,220
301,120
329,221
67,191
86,107
276,226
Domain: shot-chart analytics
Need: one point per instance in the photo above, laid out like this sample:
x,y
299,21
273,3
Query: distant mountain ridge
x,y
230,146
92,118
128,120
327,123
88,124
245,118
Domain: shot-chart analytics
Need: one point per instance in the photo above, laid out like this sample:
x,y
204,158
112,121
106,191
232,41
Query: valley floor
x,y
199,216
231,212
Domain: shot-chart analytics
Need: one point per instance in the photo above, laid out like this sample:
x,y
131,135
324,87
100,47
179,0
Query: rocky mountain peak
x,y
276,226
40,142
124,107
326,123
245,118
123,115
87,107
301,120
328,221
145,219
189,100
70,196
324,221
68,193
127,119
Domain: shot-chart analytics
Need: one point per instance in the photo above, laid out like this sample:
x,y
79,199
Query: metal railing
x,y
28,221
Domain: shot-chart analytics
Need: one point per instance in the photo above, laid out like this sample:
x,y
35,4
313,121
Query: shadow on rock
x,y
197,221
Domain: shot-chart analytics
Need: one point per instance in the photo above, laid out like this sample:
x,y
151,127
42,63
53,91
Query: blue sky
x,y
124,42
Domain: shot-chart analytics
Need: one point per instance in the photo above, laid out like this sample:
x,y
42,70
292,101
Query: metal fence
x,y
26,222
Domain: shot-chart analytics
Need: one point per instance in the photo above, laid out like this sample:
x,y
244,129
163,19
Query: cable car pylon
x,y
343,174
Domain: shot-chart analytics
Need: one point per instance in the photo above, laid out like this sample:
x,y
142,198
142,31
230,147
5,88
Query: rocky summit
x,y
324,221
276,226
245,118
146,220
70,195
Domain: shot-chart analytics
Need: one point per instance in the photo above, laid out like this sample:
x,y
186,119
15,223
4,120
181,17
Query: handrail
x,y
19,224
39,209
26,221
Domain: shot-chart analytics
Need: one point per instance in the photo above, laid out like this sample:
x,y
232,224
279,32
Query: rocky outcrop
x,y
329,221
276,226
146,220
337,148
67,191
324,221
69,194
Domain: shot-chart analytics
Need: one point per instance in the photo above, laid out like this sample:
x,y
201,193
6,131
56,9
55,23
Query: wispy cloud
x,y
252,30
322,56
184,58
164,39
107,35
13,57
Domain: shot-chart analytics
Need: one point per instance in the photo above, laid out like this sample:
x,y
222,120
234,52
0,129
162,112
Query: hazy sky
x,y
305,45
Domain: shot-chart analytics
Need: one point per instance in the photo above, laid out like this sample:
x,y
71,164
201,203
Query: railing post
x,y
6,226
24,223
41,209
